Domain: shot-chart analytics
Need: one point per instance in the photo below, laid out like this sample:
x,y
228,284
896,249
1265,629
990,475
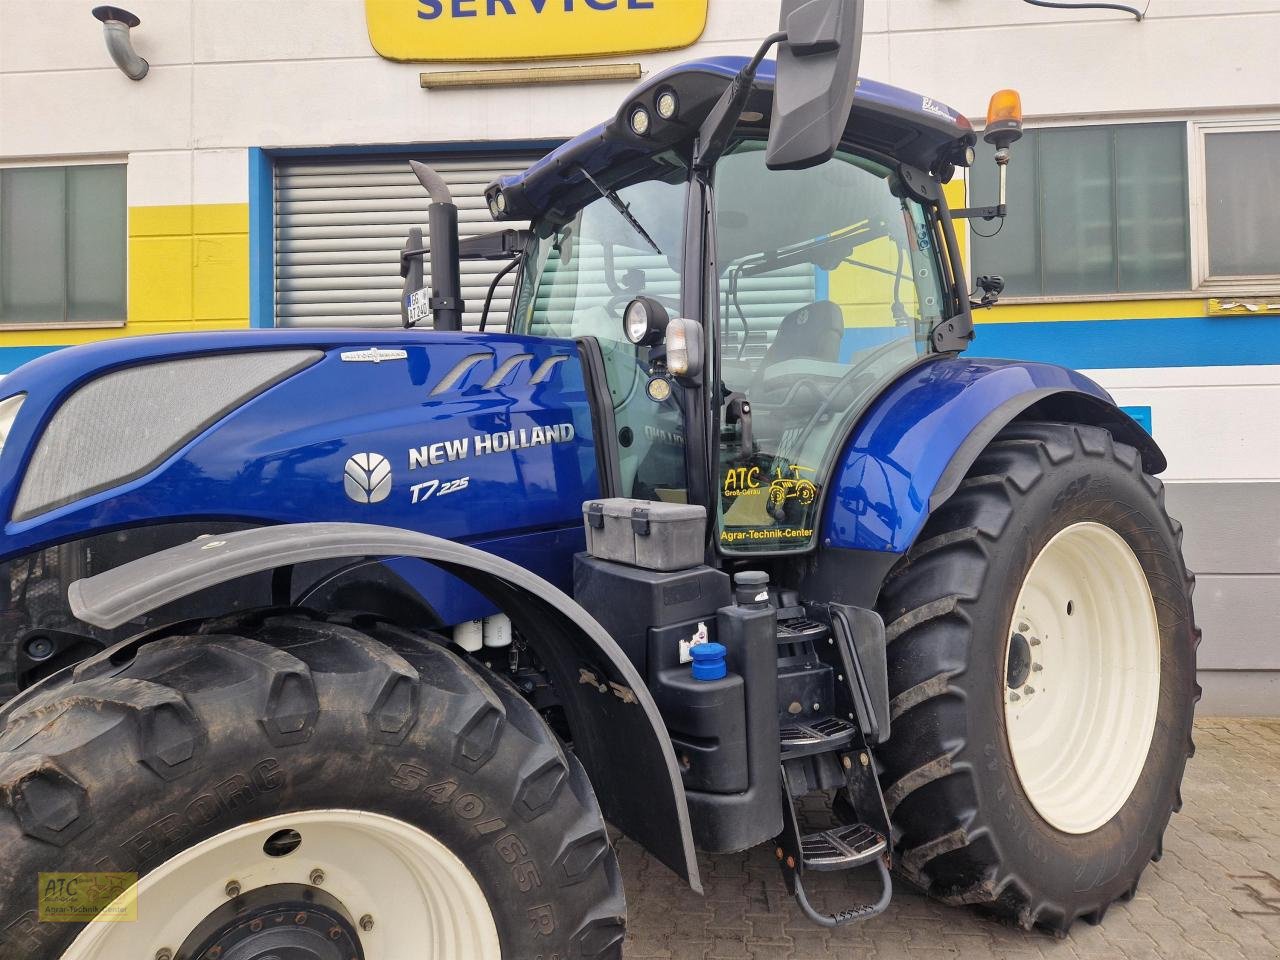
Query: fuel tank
x,y
480,438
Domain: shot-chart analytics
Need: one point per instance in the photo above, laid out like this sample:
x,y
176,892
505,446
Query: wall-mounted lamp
x,y
116,24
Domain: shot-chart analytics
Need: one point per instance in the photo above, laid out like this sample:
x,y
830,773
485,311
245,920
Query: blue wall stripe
x,y
11,358
1113,344
262,305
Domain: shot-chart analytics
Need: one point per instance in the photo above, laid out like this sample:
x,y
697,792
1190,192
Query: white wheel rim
x,y
1080,725
424,903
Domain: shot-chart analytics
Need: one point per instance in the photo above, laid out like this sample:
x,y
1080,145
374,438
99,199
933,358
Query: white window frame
x,y
1198,176
1100,120
114,160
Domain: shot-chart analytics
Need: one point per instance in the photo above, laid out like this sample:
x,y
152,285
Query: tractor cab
x,y
740,304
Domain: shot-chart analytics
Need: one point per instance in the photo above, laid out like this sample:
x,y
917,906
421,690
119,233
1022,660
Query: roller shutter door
x,y
340,225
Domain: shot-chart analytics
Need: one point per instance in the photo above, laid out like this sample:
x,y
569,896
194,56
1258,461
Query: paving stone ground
x,y
1215,894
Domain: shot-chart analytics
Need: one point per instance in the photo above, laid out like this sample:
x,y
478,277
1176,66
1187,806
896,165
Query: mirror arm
x,y
984,213
718,127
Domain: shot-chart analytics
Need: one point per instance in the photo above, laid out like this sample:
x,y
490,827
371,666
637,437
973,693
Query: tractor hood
x,y
466,436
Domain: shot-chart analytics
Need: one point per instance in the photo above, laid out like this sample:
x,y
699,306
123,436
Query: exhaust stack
x,y
442,222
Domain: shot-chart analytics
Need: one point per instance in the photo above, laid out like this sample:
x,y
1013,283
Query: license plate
x,y
418,305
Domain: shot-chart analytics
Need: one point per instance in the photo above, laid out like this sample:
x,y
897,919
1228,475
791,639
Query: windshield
x,y
579,276
828,287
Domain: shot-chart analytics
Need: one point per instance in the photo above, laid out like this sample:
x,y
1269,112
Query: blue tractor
x,y
347,644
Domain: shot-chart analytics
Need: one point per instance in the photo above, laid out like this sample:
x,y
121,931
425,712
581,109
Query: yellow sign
x,y
471,30
80,897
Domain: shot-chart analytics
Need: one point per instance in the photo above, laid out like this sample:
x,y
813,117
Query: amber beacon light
x,y
1004,119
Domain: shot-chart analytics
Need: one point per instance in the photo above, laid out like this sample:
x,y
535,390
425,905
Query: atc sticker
x,y
83,897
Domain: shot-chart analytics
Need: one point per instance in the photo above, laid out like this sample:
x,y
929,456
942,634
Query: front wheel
x,y
1042,673
288,786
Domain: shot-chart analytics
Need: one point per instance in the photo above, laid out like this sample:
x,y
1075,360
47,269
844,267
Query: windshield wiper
x,y
623,210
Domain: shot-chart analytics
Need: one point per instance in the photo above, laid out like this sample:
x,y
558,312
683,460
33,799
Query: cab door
x,y
829,285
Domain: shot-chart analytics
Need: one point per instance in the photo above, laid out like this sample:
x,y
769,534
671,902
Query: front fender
x,y
618,732
916,442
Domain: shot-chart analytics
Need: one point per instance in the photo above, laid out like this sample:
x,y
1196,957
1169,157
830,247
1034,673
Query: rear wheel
x,y
294,787
1042,675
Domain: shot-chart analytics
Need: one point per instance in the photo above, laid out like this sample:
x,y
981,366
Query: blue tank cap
x,y
708,661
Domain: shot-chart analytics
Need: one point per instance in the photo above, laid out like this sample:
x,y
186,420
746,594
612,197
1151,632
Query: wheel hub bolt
x,y
366,923
233,888
317,877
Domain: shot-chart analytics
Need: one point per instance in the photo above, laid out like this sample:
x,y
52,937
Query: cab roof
x,y
897,123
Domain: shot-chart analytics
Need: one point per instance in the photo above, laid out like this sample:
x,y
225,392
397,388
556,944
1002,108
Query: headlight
x,y
640,122
684,347
644,321
8,413
667,104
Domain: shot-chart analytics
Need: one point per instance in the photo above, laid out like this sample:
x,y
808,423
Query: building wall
x,y
231,77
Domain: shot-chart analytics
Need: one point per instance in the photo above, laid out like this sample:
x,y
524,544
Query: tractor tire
x,y
1042,675
295,786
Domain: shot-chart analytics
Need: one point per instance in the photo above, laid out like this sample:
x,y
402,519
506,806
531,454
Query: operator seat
x,y
813,332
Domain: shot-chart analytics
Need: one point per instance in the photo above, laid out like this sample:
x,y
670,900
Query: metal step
x,y
841,848
802,738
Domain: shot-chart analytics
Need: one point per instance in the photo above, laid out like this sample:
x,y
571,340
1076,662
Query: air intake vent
x,y
120,426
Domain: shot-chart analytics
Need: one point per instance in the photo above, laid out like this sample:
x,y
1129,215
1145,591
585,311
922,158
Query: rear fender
x,y
917,441
618,732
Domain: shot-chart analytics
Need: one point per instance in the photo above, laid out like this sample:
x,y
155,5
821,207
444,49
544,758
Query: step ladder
x,y
814,662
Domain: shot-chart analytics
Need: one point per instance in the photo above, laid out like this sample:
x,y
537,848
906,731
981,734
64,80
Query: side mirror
x,y
817,75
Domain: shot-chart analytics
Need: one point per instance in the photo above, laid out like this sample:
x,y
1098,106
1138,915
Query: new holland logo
x,y
367,478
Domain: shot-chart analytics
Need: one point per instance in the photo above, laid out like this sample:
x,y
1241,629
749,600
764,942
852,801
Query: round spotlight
x,y
501,199
659,389
667,104
644,321
493,208
970,155
640,122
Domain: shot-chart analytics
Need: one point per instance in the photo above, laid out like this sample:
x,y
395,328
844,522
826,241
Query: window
x,y
62,244
1092,210
579,277
1242,217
